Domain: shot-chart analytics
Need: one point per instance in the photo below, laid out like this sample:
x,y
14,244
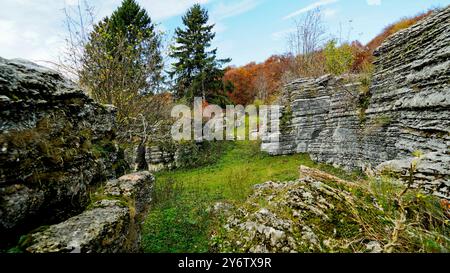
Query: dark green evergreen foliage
x,y
197,72
128,44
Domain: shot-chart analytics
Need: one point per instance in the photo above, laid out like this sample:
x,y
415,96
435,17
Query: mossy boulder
x,y
50,136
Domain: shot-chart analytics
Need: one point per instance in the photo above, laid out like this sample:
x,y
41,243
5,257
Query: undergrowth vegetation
x,y
182,220
409,221
185,217
329,215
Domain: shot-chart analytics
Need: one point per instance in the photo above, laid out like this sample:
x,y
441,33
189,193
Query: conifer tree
x,y
197,72
123,56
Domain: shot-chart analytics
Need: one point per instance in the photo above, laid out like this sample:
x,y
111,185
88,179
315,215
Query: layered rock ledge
x,y
110,225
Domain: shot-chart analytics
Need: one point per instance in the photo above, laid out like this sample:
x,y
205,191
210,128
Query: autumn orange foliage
x,y
263,80
254,80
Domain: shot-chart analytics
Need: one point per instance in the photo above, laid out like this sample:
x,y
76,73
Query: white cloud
x,y
374,2
157,9
223,11
31,29
7,29
34,30
71,2
312,6
219,27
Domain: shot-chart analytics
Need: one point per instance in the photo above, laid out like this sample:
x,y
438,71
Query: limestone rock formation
x,y
322,213
405,109
55,144
153,157
430,171
110,225
324,120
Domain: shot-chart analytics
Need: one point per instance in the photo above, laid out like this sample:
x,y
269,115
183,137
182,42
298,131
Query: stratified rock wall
x,y
411,88
55,144
406,110
324,121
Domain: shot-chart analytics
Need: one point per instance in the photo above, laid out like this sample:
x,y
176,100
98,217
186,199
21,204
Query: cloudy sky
x,y
247,30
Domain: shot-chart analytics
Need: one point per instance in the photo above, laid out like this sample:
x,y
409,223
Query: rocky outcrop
x,y
56,144
159,158
405,109
323,121
286,222
153,158
430,171
168,155
323,213
110,225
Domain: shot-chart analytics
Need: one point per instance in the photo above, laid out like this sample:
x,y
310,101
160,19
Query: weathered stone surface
x,y
322,213
324,123
163,155
137,187
406,109
102,229
431,172
55,143
111,225
159,158
156,157
294,216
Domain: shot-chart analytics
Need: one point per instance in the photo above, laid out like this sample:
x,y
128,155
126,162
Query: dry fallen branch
x,y
323,176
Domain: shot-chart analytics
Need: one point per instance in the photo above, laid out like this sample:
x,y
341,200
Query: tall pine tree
x,y
197,72
123,55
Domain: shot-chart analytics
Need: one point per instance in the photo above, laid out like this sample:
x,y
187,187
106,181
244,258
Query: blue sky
x,y
247,30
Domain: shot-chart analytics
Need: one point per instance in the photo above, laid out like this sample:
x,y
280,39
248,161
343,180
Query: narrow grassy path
x,y
180,220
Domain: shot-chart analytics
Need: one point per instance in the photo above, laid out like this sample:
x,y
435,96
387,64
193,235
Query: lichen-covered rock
x,y
101,229
405,109
154,157
411,86
55,144
159,159
324,122
110,225
297,216
323,213
137,187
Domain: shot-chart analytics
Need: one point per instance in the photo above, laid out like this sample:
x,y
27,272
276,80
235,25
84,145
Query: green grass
x,y
179,220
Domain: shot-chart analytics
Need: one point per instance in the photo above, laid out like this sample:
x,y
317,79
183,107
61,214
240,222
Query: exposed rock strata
x,y
406,109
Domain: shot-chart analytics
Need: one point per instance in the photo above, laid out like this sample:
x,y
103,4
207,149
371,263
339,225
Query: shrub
x,y
339,60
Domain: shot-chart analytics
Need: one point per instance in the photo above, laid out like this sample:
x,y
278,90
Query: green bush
x,y
338,60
